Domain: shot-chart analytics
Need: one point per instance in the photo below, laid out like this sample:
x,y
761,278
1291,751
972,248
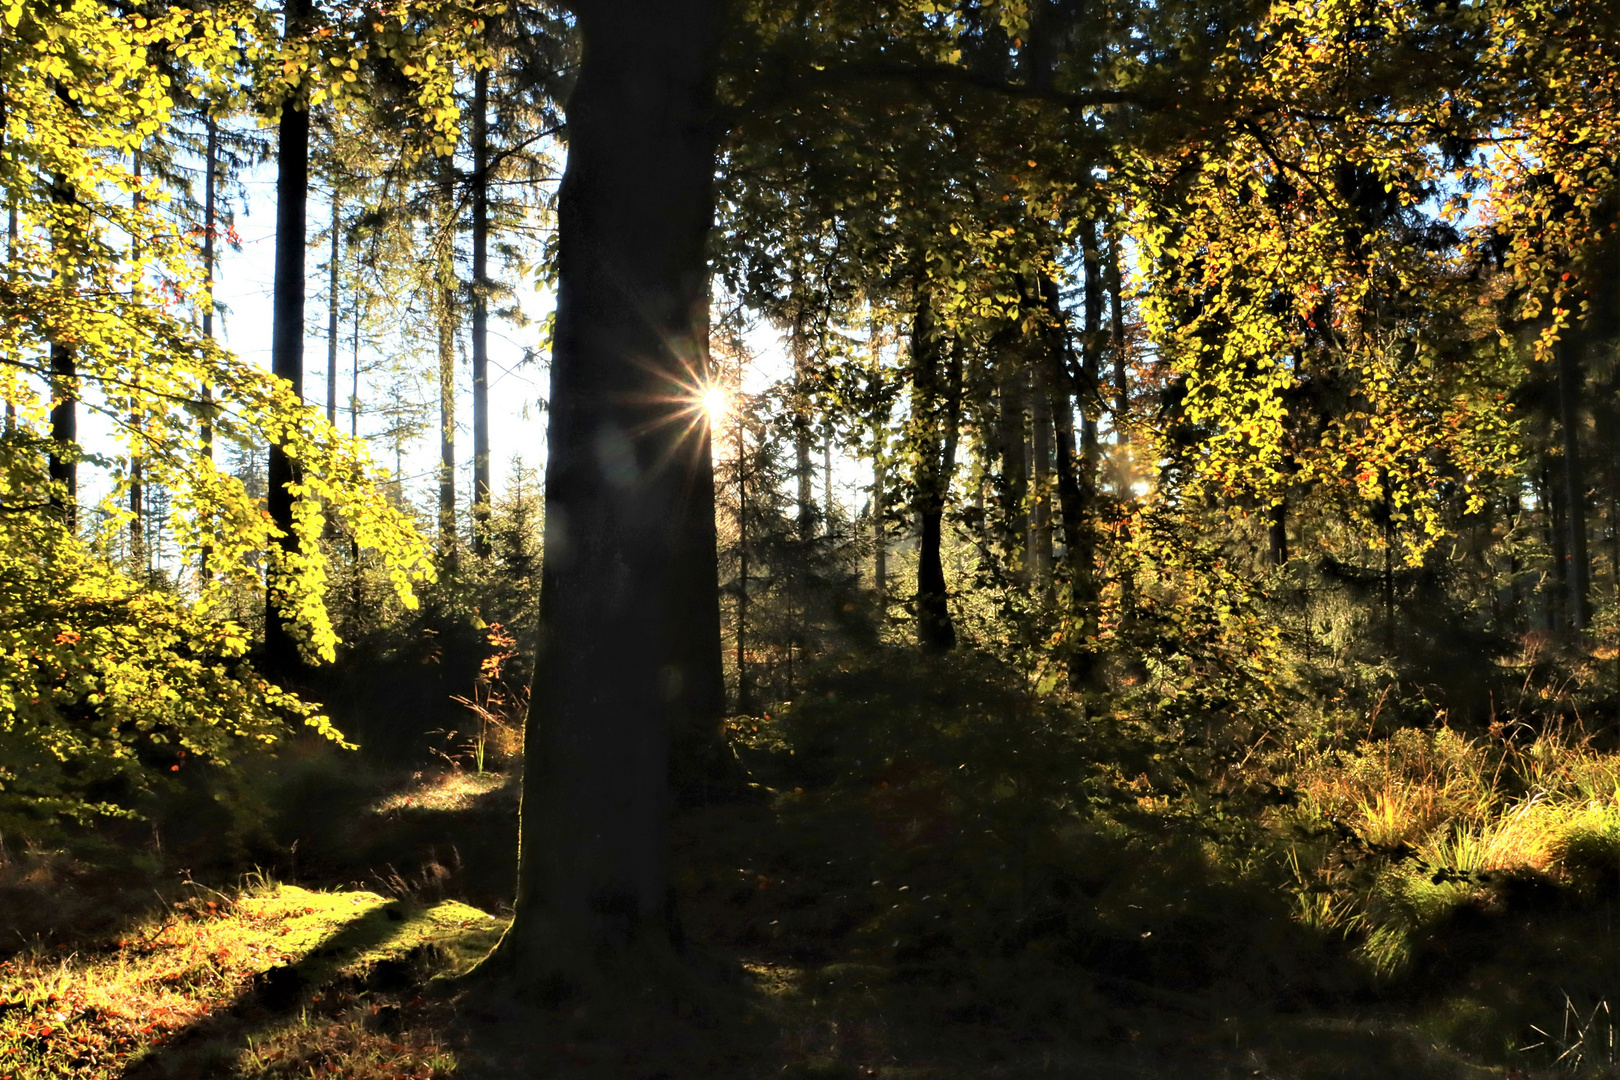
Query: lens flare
x,y
714,404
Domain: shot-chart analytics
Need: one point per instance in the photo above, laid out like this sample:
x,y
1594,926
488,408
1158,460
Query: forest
x,y
983,538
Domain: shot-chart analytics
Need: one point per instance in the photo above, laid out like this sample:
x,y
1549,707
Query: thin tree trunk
x,y
1091,351
1122,385
354,428
745,698
1389,571
447,365
332,287
483,543
287,344
11,271
210,169
629,653
62,462
1012,472
1569,391
880,540
802,471
936,409
1040,453
1558,606
1076,495
137,517
826,487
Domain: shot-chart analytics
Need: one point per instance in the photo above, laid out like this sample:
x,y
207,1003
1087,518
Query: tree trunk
x,y
1011,453
1039,541
936,408
1122,385
62,461
1091,350
137,509
629,655
1557,542
210,179
1076,495
1277,534
1580,566
483,544
447,363
802,469
880,540
332,286
287,340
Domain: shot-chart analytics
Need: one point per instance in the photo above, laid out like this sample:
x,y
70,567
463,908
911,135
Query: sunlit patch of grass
x,y
443,791
93,1012
1434,821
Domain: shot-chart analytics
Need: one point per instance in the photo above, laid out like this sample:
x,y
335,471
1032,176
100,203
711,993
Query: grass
x,y
924,889
254,970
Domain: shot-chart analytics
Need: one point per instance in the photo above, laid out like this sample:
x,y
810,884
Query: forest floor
x,y
831,936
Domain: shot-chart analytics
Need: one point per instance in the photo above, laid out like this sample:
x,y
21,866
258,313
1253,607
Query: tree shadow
x,y
208,1048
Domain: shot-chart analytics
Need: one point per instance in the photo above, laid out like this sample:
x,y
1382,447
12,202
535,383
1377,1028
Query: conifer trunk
x,y
332,286
936,411
287,336
483,544
799,349
447,363
1580,566
1076,494
629,656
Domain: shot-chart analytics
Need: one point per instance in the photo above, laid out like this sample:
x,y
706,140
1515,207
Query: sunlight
x,y
714,404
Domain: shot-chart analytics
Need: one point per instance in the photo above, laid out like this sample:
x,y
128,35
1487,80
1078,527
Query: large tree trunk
x,y
936,408
1580,566
629,654
483,545
287,337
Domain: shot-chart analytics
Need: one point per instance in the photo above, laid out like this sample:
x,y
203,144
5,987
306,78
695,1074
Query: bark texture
x,y
287,334
629,658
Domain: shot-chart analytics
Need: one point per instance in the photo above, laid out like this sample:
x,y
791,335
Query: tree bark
x,y
332,286
1277,533
210,177
62,462
137,508
483,544
936,408
629,656
1076,494
1580,566
448,287
1039,542
802,469
880,540
287,337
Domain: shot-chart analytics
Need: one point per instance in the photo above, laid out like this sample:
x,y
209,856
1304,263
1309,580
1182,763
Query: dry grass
x,y
195,967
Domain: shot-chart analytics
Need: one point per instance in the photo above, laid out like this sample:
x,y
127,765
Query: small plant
x,y
1585,1039
498,705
